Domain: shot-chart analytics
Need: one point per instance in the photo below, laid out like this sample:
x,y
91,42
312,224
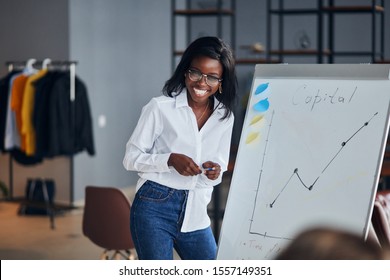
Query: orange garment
x,y
17,92
28,131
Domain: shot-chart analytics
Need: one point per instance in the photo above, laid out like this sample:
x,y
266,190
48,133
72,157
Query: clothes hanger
x,y
29,68
45,63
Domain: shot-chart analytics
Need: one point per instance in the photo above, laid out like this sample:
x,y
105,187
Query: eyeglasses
x,y
196,76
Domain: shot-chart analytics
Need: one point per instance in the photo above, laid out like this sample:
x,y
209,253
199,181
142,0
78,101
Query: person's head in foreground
x,y
332,244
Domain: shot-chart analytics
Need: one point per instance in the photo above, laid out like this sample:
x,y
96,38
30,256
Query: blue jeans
x,y
156,217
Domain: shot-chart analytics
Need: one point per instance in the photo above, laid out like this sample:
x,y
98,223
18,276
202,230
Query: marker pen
x,y
208,168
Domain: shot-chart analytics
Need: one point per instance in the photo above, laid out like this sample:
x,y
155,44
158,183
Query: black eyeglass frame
x,y
201,75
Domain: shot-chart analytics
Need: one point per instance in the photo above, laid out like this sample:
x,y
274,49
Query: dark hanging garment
x,y
43,88
21,157
4,95
70,123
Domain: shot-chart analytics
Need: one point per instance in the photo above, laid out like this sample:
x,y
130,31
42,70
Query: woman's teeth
x,y
200,92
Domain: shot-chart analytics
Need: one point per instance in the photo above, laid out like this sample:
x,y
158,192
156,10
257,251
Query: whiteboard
x,y
310,154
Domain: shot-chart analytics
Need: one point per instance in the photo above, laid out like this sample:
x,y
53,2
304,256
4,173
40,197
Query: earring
x,y
220,88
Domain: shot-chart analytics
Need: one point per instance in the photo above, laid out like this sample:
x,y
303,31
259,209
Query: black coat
x,y
69,122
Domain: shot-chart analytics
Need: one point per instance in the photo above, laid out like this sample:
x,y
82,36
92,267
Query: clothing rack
x,y
62,65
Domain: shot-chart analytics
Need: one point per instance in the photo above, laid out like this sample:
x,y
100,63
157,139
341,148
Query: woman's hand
x,y
184,165
211,170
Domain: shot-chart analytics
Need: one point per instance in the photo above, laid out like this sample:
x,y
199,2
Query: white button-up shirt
x,y
168,125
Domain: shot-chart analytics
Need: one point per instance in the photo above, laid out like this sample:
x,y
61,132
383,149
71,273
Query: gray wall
x,y
123,50
123,53
34,29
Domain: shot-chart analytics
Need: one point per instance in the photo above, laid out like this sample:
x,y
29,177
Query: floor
x,y
31,238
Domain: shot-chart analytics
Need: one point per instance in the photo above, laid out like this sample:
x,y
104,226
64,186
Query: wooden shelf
x,y
178,53
325,52
308,52
218,10
337,9
203,12
298,52
256,61
294,11
354,53
325,13
353,9
243,60
382,62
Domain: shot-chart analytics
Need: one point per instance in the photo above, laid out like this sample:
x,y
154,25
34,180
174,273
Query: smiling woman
x,y
201,87
180,149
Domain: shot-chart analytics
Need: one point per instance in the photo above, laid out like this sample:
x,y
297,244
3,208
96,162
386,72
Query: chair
x,y
106,221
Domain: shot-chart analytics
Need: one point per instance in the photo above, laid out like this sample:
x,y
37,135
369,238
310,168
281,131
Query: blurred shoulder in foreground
x,y
332,244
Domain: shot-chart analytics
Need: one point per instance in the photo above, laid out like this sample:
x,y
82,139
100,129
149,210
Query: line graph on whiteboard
x,y
295,178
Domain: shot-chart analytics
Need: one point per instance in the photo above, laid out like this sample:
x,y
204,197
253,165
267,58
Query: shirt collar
x,y
181,99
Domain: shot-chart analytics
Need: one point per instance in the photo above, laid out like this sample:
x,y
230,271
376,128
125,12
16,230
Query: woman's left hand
x,y
211,170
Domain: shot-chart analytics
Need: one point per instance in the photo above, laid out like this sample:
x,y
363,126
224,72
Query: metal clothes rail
x,y
50,65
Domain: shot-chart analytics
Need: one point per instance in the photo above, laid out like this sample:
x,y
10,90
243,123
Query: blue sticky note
x,y
262,105
261,88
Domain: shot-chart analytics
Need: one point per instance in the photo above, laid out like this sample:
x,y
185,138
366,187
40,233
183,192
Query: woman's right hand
x,y
184,165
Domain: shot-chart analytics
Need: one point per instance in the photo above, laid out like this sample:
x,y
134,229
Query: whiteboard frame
x,y
323,71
